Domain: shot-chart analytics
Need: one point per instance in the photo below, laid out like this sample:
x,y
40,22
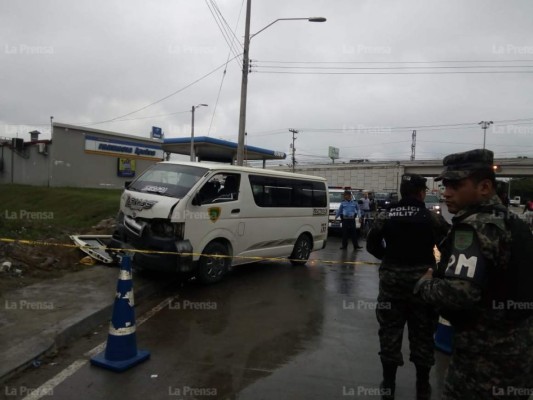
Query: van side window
x,y
271,191
220,188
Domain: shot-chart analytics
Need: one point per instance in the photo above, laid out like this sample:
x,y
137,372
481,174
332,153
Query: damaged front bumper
x,y
150,250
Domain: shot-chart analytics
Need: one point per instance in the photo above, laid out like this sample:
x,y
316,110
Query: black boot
x,y
388,385
423,388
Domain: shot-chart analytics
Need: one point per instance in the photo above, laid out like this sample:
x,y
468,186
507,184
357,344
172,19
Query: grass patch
x,y
31,212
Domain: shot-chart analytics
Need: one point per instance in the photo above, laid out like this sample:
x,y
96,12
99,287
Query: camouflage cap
x,y
461,165
414,180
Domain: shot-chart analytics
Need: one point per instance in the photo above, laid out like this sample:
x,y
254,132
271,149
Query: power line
x,y
223,76
228,37
390,62
232,31
393,73
161,99
398,68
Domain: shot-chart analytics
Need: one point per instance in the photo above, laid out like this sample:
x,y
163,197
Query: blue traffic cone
x,y
444,336
121,349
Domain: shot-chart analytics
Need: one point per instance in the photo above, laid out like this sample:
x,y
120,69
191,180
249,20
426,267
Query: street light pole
x,y
245,70
484,126
193,155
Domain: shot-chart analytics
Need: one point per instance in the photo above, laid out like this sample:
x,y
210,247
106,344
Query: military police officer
x,y
349,211
404,238
482,286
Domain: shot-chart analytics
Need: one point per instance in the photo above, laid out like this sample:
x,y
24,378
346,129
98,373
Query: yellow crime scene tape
x,y
121,250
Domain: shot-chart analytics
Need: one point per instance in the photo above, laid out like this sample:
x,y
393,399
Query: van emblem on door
x,y
214,213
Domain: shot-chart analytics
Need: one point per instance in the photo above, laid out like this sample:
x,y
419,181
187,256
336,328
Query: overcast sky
x,y
372,68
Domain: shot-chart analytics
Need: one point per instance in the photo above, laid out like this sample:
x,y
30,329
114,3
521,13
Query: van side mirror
x,y
127,184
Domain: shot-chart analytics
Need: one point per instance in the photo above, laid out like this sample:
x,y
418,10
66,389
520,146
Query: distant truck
x,y
515,201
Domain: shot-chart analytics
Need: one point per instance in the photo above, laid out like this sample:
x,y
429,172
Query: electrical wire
x,y
223,76
223,30
161,99
398,68
390,62
392,73
232,31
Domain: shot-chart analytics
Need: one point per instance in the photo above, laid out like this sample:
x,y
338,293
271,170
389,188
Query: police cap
x,y
414,180
459,166
347,192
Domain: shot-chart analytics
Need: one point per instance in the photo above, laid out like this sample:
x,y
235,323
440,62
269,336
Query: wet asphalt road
x,y
269,331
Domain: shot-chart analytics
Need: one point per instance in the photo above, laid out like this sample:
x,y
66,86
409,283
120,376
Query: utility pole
x,y
413,146
244,85
484,126
246,70
294,132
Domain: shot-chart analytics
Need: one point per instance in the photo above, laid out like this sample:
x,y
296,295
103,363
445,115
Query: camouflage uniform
x,y
493,354
410,232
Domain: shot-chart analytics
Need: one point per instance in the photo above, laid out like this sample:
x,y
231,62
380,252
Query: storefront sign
x,y
124,148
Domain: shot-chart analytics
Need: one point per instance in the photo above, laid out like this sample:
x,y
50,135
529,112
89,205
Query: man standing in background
x,y
349,211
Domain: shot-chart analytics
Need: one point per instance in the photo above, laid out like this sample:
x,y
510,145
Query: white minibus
x,y
215,216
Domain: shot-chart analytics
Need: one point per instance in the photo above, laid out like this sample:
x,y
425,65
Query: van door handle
x,y
236,211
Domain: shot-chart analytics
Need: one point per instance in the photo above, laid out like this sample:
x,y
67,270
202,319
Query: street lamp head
x,y
317,19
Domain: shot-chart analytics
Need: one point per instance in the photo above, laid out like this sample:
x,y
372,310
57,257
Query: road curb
x,y
31,350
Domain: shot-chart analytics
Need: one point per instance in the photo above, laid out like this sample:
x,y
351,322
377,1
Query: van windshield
x,y
168,180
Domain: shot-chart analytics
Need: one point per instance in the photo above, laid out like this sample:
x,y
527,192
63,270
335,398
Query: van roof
x,y
227,167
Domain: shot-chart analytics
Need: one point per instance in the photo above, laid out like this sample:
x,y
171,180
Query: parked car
x,y
384,199
433,203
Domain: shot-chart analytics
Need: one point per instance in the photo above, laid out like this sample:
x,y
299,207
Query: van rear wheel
x,y
213,265
302,250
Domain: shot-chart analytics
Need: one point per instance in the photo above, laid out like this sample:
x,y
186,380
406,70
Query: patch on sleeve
x,y
467,261
463,239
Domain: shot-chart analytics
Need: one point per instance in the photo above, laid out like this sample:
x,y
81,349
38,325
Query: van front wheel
x,y
214,263
302,250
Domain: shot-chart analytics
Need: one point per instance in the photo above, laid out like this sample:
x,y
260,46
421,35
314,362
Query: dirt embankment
x,y
22,264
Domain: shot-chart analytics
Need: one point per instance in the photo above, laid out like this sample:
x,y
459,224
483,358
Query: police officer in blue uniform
x,y
348,211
